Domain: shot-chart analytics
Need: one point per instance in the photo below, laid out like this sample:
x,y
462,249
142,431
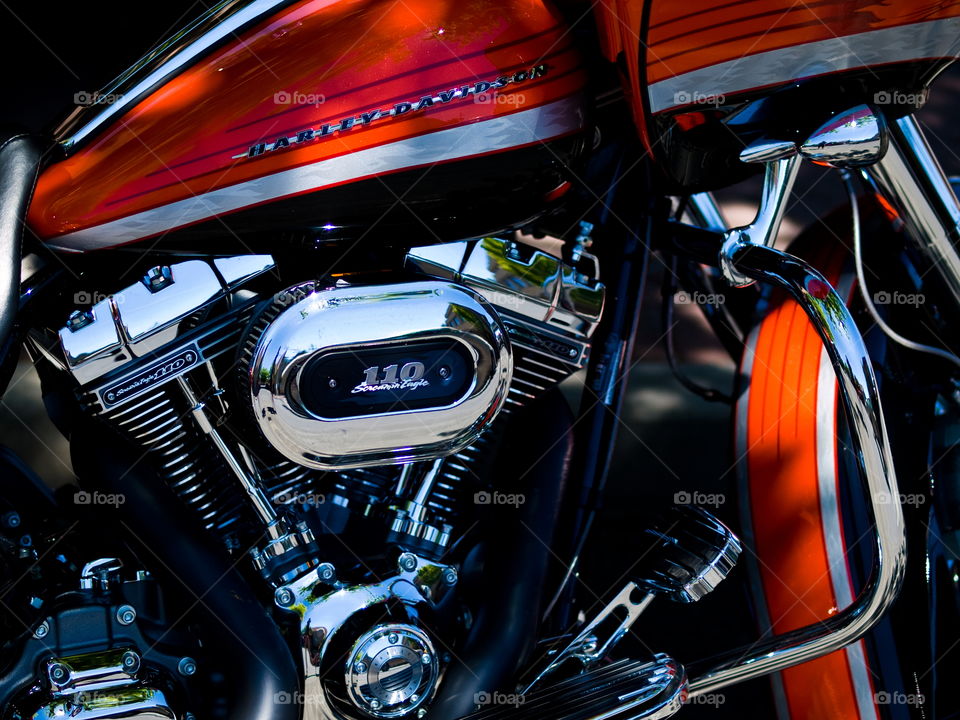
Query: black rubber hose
x,y
159,526
537,456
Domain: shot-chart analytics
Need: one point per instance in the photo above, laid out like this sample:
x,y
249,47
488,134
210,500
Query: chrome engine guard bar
x,y
858,390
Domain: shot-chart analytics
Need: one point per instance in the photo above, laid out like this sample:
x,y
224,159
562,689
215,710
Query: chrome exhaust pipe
x,y
861,398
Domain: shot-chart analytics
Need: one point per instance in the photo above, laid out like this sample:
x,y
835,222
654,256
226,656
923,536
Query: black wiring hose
x,y
667,290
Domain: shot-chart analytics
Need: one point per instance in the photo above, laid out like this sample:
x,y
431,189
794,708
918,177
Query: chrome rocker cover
x,y
353,376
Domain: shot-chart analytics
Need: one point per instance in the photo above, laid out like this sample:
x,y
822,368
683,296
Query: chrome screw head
x,y
284,597
360,668
187,666
130,662
126,614
407,562
393,638
59,674
426,658
375,704
450,576
42,630
326,571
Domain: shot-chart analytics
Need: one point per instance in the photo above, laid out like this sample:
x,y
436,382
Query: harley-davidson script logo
x,y
478,90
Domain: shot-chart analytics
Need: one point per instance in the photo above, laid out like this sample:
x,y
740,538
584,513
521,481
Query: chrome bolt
x,y
572,352
359,668
450,576
284,597
332,382
59,674
79,319
422,713
393,638
444,372
408,562
414,698
42,630
326,571
130,662
374,704
187,666
126,614
426,658
11,519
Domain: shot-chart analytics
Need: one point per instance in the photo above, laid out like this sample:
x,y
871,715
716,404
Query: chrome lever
x,y
780,173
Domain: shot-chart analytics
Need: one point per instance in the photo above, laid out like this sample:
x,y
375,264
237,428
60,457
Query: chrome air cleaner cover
x,y
351,376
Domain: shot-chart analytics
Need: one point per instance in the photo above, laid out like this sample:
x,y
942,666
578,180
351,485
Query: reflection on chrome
x,y
861,398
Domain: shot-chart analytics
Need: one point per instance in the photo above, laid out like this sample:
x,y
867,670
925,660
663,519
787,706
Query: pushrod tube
x,y
861,399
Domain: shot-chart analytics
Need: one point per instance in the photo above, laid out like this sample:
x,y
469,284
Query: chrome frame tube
x,y
910,178
861,398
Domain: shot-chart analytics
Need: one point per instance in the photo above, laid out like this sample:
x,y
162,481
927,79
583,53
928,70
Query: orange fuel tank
x,y
332,116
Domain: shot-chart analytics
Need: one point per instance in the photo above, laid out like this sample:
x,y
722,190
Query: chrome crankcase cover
x,y
351,376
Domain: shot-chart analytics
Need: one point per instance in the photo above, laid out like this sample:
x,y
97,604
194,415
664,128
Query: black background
x,y
51,50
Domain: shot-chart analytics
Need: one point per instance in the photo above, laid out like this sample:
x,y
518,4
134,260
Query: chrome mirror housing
x,y
855,138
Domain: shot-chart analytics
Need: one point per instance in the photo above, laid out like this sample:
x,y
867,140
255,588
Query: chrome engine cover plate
x,y
353,376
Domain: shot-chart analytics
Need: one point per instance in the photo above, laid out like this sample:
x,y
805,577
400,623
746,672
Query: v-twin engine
x,y
337,407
